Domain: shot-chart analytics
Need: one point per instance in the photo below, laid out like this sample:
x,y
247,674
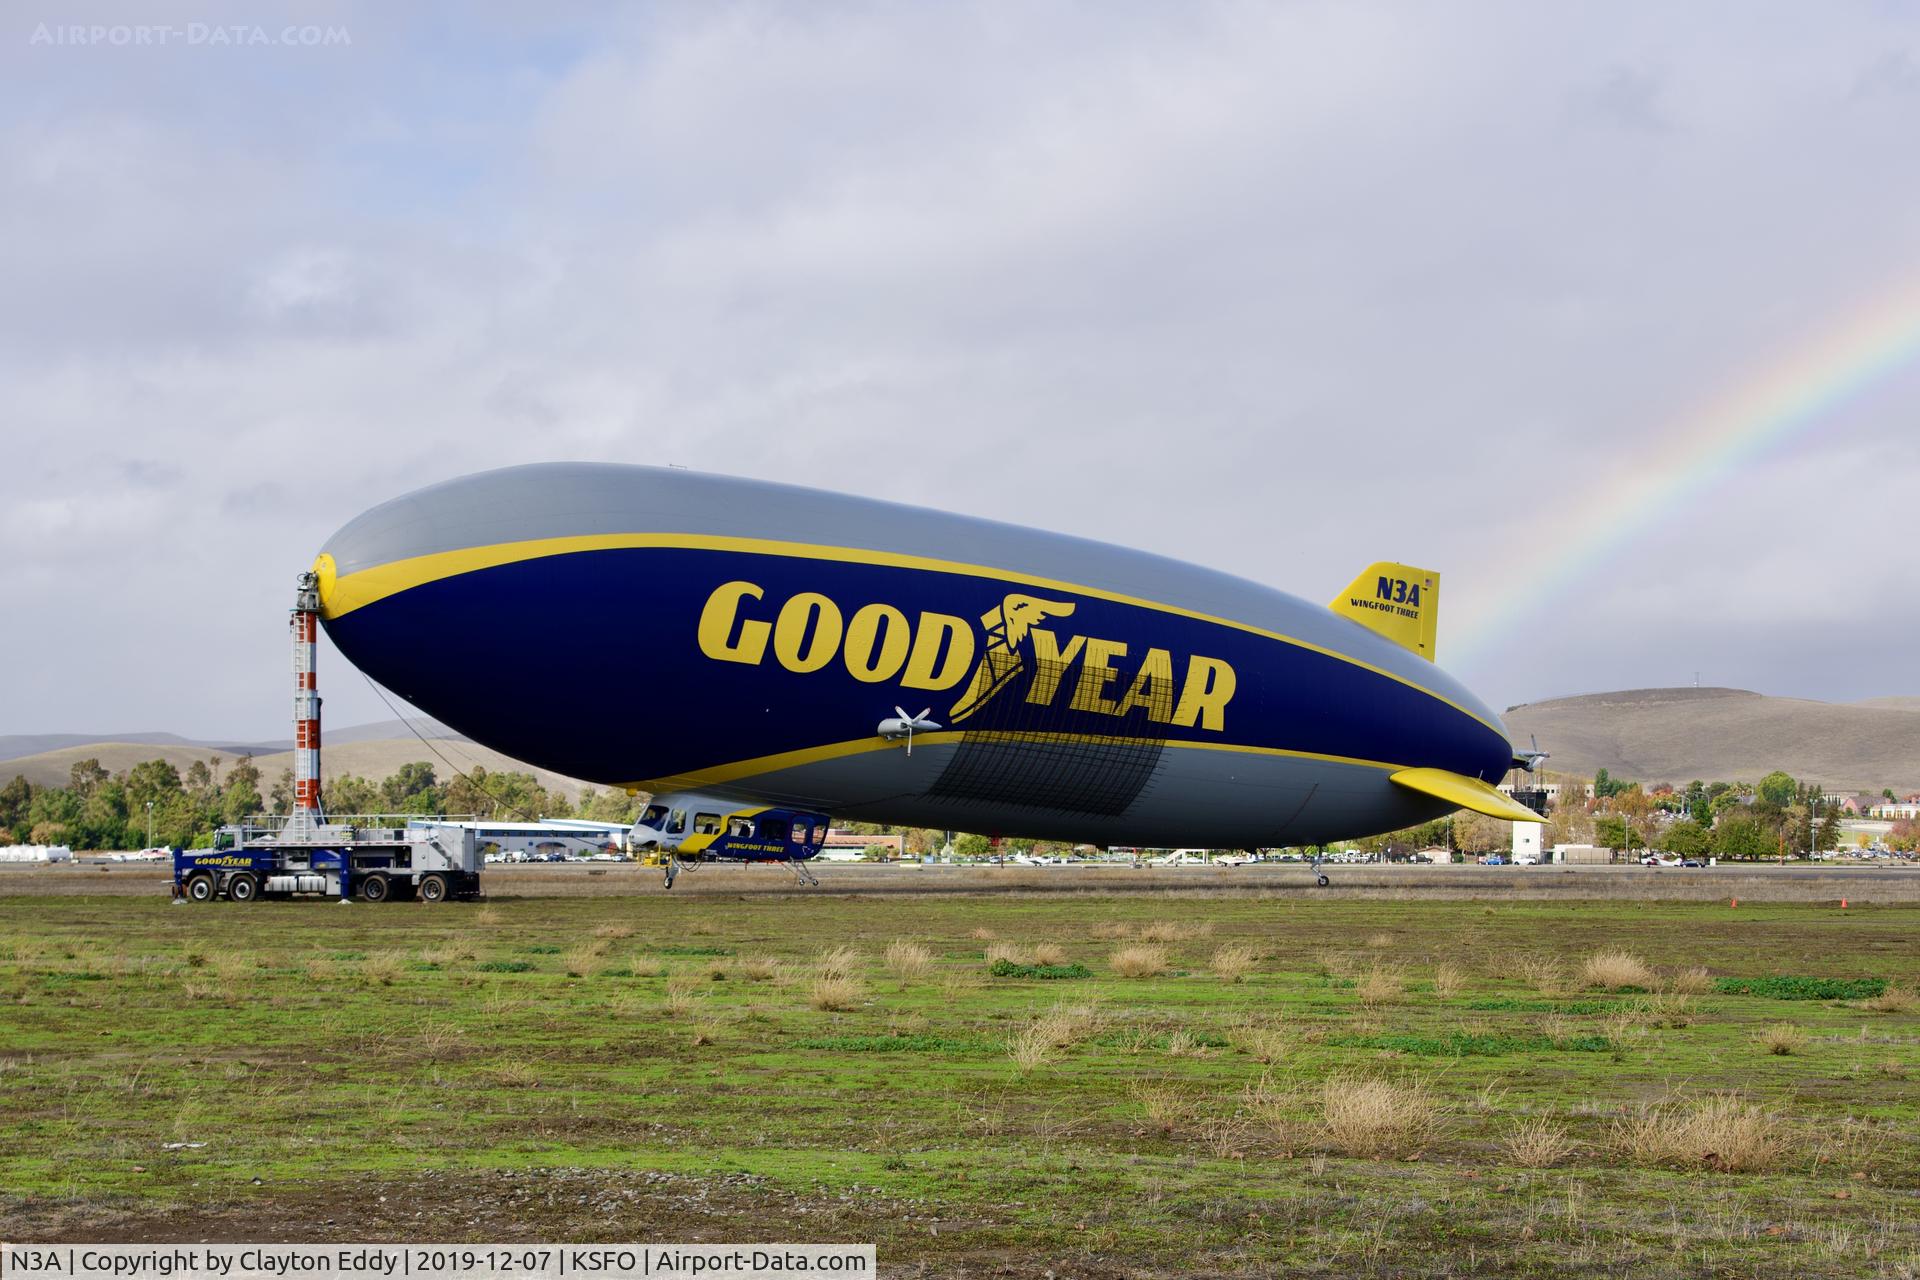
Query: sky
x,y
1278,288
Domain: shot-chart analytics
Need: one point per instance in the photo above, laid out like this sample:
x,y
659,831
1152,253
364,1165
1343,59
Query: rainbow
x,y
1790,399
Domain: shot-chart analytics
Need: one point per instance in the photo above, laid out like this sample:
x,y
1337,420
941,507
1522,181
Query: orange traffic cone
x,y
1733,902
1843,904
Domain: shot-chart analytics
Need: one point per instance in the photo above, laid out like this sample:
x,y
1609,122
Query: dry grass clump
x,y
1011,952
1337,964
841,962
1449,980
1030,1050
1670,1010
1544,974
1615,969
1174,931
1049,953
1059,1028
1274,1106
1897,998
1166,1104
1380,940
383,968
1694,980
1717,1132
981,935
678,999
1233,961
830,994
907,961
705,1032
1382,984
235,967
614,932
1138,960
646,966
585,960
1265,1045
1112,931
488,916
1065,1025
322,969
1538,1143
1184,1044
1371,1117
514,1075
1782,1038
759,968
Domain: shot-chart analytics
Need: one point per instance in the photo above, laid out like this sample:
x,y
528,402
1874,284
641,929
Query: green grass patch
x,y
1788,988
891,1044
1462,1044
541,949
692,951
1045,972
505,966
1515,1004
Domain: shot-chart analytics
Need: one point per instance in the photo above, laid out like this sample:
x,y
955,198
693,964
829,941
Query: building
x,y
844,843
1896,811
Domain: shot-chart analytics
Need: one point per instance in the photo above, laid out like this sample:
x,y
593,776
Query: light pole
x,y
149,824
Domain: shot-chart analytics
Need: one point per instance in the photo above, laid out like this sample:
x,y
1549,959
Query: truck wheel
x,y
200,888
433,889
374,888
243,888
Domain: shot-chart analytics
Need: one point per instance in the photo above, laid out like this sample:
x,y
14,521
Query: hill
x,y
15,746
1676,735
369,759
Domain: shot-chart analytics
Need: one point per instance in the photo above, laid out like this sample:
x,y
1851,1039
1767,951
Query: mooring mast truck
x,y
431,861
304,853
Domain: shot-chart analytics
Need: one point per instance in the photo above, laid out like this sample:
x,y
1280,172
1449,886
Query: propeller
x,y
902,725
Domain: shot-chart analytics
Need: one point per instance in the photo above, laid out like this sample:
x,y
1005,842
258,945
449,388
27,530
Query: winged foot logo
x,y
878,643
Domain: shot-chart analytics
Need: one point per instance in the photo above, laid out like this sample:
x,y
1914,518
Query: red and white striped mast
x,y
307,817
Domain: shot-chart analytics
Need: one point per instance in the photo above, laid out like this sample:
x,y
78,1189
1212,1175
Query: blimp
x,y
788,649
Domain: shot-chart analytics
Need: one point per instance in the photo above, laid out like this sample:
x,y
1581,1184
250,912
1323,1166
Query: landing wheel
x,y
375,888
200,888
673,870
1323,882
433,889
243,888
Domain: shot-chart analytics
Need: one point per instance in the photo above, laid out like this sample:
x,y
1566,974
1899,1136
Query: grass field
x,y
1100,1085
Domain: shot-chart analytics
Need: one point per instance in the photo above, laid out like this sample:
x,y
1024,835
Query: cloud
x,y
1278,289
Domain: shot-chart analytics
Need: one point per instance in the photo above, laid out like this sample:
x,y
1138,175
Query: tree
x,y
1477,833
155,781
85,776
14,799
970,845
1776,790
351,794
282,793
1688,839
1602,785
1739,836
1612,832
1828,837
411,788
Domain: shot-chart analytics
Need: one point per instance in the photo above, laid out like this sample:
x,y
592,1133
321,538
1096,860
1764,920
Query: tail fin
x,y
1399,601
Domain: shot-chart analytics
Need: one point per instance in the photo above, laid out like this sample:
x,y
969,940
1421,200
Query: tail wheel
x,y
243,888
1323,882
375,888
433,888
200,888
